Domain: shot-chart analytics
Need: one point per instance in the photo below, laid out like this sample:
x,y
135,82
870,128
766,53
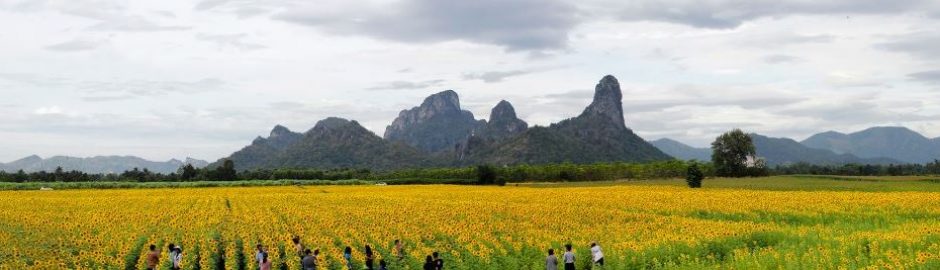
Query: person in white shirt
x,y
597,254
568,258
551,262
176,257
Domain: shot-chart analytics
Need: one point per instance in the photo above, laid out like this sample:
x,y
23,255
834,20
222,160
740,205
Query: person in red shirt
x,y
153,258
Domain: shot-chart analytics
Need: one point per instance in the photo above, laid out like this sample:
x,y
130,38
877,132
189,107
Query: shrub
x,y
486,174
694,176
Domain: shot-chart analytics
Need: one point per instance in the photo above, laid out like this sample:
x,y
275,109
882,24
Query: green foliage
x,y
226,172
694,176
486,175
731,152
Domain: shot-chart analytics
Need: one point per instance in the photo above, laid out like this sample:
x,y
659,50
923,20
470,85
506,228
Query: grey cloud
x,y
209,4
732,13
931,76
920,45
75,45
145,88
406,85
230,40
133,24
780,59
106,98
495,76
531,25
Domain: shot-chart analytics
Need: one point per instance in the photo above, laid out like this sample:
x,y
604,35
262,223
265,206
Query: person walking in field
x,y
347,254
370,258
568,258
383,265
551,262
153,258
299,247
309,262
259,254
597,254
438,262
176,257
429,263
265,262
399,250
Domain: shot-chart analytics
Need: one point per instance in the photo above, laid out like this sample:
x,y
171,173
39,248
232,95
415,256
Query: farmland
x,y
776,222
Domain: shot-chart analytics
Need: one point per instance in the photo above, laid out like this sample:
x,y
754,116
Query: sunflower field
x,y
473,227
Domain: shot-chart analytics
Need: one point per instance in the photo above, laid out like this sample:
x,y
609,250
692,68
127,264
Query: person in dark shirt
x,y
429,263
438,262
309,262
370,258
383,265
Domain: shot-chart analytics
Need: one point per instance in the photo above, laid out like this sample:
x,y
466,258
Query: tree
x,y
731,153
694,176
226,172
486,174
188,172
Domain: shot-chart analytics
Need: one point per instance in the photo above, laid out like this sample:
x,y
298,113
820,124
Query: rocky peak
x,y
608,101
331,123
503,122
503,110
443,102
438,124
278,131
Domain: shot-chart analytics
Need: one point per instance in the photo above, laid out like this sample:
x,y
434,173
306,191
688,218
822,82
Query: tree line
x,y
481,174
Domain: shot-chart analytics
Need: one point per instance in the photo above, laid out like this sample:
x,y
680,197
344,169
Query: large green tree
x,y
730,154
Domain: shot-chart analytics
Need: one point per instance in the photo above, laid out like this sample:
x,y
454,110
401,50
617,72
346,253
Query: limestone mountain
x,y
683,151
782,151
261,149
333,143
898,143
97,164
599,134
437,125
503,122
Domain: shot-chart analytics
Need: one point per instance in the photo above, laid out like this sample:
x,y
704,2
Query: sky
x,y
173,79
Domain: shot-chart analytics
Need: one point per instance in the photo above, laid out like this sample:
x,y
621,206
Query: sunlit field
x,y
775,223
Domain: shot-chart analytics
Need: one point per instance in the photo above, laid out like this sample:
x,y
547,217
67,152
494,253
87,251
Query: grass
x,y
783,183
779,183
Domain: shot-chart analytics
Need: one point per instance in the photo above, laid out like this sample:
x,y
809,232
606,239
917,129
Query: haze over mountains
x,y
877,145
99,164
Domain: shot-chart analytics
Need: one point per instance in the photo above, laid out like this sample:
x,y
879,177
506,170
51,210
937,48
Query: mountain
x,y
333,143
98,164
599,134
503,122
782,151
437,125
682,151
897,143
261,149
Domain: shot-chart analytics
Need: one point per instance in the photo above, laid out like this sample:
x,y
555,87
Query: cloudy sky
x,y
170,79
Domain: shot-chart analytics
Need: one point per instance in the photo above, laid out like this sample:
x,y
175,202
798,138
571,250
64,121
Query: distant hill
x,y
782,151
682,151
897,143
599,134
99,164
333,143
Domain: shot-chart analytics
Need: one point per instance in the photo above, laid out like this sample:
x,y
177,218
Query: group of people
x,y
309,258
175,253
551,262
